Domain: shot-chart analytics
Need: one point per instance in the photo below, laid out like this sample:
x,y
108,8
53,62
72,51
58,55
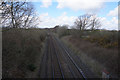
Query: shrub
x,y
21,46
63,31
106,39
31,67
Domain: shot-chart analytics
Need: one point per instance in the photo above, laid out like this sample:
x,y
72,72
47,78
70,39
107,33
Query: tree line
x,y
84,22
81,24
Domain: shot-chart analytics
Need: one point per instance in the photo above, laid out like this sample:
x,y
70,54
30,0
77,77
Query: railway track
x,y
57,63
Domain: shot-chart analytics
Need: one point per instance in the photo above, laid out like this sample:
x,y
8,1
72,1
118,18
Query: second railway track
x,y
57,63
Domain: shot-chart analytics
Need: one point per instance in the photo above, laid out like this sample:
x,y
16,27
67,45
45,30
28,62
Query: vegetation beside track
x,y
98,49
20,50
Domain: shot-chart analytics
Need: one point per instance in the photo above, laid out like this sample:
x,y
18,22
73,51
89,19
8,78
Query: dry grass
x,y
20,49
96,57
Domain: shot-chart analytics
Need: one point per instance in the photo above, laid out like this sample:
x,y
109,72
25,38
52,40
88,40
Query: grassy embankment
x,y
21,52
97,49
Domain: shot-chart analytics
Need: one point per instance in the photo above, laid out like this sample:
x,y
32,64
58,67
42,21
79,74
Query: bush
x,y
106,39
21,46
63,31
31,67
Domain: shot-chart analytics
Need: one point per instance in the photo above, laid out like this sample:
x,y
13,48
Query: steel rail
x,y
46,69
61,71
80,71
69,67
52,66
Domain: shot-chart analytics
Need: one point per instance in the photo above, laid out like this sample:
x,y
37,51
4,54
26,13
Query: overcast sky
x,y
60,12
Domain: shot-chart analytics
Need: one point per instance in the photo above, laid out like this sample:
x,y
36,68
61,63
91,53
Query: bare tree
x,y
82,22
94,23
18,14
5,10
87,21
